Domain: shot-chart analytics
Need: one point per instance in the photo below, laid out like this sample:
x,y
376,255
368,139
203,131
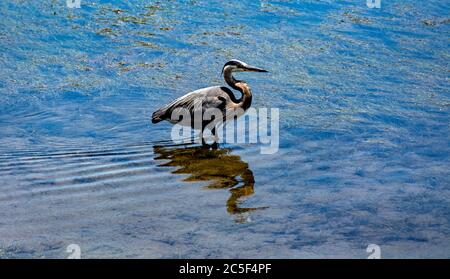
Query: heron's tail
x,y
158,116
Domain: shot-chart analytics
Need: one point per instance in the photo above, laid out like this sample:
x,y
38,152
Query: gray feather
x,y
210,97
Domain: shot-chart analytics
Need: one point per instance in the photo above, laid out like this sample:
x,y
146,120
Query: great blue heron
x,y
216,97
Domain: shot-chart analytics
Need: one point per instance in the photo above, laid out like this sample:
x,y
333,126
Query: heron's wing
x,y
206,98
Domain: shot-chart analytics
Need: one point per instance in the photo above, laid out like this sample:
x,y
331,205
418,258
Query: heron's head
x,y
238,66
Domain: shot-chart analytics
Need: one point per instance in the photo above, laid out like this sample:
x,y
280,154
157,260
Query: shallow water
x,y
364,130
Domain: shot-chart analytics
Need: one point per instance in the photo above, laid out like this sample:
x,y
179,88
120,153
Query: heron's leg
x,y
215,144
216,136
204,144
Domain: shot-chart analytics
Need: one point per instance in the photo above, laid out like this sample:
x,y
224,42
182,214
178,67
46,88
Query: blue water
x,y
364,130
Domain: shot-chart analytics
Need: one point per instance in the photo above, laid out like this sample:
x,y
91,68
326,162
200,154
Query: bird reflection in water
x,y
217,167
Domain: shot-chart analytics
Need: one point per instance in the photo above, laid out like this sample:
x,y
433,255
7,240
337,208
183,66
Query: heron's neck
x,y
229,79
246,99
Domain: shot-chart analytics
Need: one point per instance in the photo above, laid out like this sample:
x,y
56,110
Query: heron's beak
x,y
254,69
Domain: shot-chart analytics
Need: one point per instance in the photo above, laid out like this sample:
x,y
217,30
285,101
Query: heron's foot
x,y
214,145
